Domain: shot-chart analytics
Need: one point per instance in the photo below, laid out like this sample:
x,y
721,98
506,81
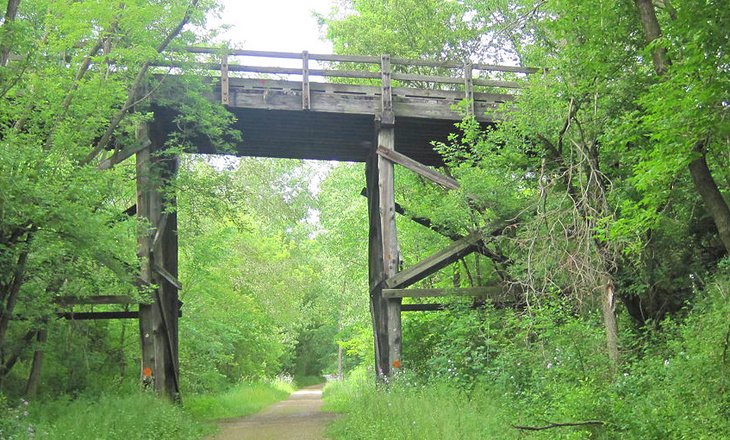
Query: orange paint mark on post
x,y
396,363
147,372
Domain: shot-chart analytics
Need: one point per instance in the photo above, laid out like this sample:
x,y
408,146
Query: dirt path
x,y
298,418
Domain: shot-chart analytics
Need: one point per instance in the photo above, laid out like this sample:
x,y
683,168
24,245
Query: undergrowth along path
x,y
298,417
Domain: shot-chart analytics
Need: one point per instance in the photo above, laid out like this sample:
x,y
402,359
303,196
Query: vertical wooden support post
x,y
225,88
157,250
34,378
469,87
306,103
375,269
384,253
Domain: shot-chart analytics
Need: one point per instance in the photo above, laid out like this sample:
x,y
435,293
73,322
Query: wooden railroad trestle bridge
x,y
391,122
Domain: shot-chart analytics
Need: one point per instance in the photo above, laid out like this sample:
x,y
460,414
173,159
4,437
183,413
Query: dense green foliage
x,y
506,370
128,414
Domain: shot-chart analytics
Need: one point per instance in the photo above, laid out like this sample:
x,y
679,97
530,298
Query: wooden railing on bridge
x,y
446,81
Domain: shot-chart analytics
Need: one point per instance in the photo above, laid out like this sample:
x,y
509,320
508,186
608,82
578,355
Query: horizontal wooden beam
x,y
365,59
486,291
422,307
458,249
89,316
452,80
418,168
96,299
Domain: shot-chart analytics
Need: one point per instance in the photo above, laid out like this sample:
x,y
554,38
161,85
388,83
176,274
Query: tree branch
x,y
132,95
560,425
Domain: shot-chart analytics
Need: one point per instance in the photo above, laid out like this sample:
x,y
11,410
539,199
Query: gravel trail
x,y
300,417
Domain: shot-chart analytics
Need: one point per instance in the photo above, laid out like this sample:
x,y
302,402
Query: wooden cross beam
x,y
491,290
458,249
422,307
427,223
89,316
418,168
96,299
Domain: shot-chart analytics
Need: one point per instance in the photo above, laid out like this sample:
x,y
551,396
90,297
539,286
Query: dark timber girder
x,y
301,115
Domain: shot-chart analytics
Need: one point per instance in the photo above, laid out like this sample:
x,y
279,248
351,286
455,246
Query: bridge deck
x,y
301,119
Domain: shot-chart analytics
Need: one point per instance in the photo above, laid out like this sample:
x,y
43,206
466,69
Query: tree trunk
x,y
652,31
35,370
711,196
608,306
8,304
339,362
701,175
10,13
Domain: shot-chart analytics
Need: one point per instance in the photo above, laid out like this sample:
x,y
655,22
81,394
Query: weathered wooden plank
x,y
386,187
405,92
88,316
494,289
305,81
338,103
225,86
168,276
458,65
340,98
418,168
289,55
344,73
159,231
157,320
422,307
341,103
378,310
480,246
276,70
145,213
469,88
449,80
96,299
498,83
435,262
365,59
120,156
273,84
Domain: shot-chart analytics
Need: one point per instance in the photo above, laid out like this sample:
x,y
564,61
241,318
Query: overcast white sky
x,y
275,25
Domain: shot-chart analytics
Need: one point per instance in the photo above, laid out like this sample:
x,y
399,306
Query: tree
x,y
75,82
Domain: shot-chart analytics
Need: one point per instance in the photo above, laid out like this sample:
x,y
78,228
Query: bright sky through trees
x,y
280,25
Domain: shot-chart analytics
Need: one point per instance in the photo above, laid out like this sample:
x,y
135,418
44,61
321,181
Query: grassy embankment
x,y
408,412
129,414
673,384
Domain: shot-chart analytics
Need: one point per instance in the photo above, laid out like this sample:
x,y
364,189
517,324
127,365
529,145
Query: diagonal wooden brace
x,y
435,262
418,168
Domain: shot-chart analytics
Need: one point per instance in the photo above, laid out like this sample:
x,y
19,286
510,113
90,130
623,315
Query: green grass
x,y
129,414
111,417
406,412
243,399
